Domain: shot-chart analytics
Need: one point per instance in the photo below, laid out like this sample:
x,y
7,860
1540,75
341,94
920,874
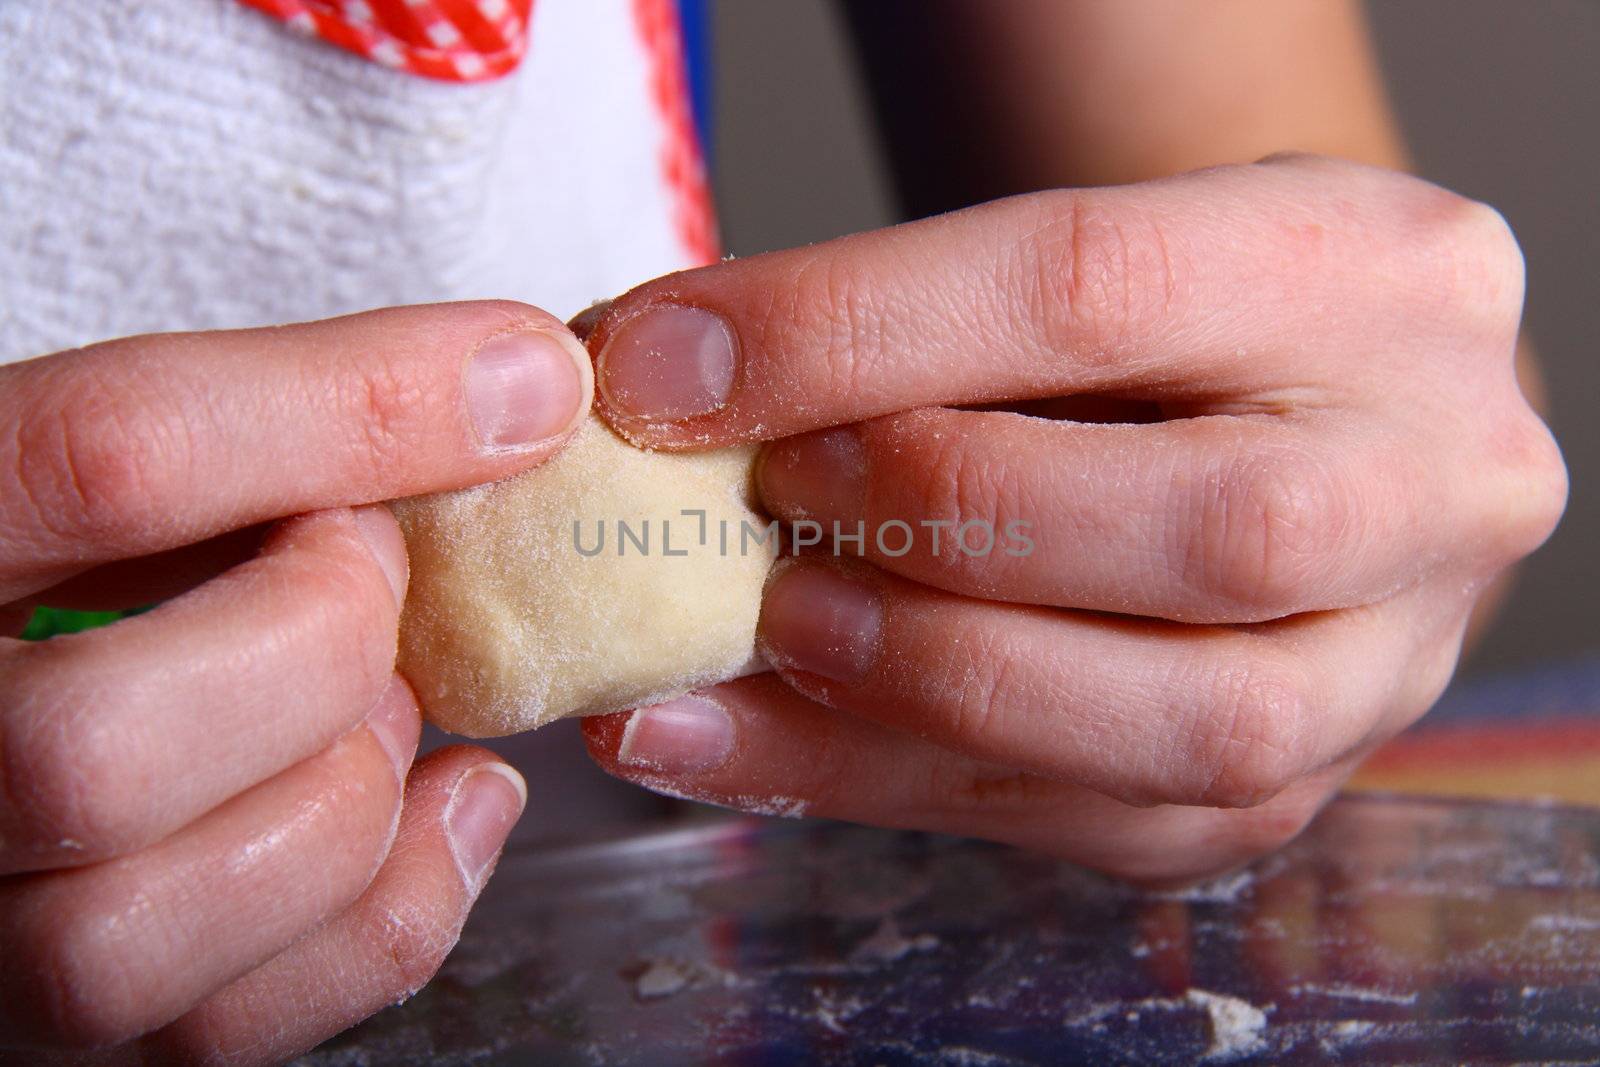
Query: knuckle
x,y
959,485
987,687
1518,490
1471,259
1094,275
1247,743
842,312
98,466
955,486
1261,532
1543,486
389,403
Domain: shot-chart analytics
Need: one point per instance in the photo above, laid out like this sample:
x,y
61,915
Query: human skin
x,y
1229,602
214,844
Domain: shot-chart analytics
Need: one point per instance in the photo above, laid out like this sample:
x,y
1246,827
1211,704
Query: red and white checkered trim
x,y
682,162
453,40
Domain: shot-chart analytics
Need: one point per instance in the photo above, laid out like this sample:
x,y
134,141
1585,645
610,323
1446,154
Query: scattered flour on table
x,y
1348,992
1564,923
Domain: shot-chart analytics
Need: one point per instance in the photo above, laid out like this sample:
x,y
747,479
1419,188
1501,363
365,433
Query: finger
x,y
460,804
1192,288
757,745
1145,712
140,445
113,738
100,954
1221,519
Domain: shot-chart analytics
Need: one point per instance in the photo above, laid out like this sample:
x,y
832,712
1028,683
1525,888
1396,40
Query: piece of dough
x,y
508,625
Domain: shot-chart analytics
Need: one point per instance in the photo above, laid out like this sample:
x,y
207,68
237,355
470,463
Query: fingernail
x,y
819,475
387,545
394,723
817,619
485,805
668,362
688,735
525,388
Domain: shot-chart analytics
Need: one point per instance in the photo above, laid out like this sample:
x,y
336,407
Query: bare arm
x,y
983,100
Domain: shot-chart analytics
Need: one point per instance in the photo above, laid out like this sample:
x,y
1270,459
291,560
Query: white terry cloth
x,y
193,164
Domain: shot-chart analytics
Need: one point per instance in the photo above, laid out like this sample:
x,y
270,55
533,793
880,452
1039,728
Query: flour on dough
x,y
508,625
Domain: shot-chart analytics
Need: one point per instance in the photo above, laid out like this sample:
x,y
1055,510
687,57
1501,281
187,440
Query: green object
x,y
47,622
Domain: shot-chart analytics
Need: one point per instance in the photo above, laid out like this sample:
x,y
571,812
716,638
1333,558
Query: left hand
x,y
1234,592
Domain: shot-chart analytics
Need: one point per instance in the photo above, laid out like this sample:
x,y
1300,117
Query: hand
x,y
1257,572
211,830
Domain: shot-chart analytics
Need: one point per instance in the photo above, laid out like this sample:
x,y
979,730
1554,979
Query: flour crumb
x,y
1236,1025
1341,1035
662,978
887,943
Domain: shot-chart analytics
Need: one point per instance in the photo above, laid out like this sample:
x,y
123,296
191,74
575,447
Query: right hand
x,y
212,840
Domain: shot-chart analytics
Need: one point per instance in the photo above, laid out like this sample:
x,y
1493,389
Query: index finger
x,y
1168,290
139,445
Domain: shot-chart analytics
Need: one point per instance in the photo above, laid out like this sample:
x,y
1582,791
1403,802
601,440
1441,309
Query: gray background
x,y
1500,100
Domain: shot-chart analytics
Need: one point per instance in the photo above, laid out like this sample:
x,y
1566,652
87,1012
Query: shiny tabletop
x,y
1395,930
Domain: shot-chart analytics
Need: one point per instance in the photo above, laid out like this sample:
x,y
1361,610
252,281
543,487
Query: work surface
x,y
1395,931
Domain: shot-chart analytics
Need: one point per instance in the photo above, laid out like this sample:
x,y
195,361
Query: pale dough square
x,y
510,621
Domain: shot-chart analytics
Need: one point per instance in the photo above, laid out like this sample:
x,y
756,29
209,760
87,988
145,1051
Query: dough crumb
x,y
887,943
1236,1025
660,979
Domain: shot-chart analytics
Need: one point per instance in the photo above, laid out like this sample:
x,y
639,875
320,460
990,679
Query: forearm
x,y
1041,93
